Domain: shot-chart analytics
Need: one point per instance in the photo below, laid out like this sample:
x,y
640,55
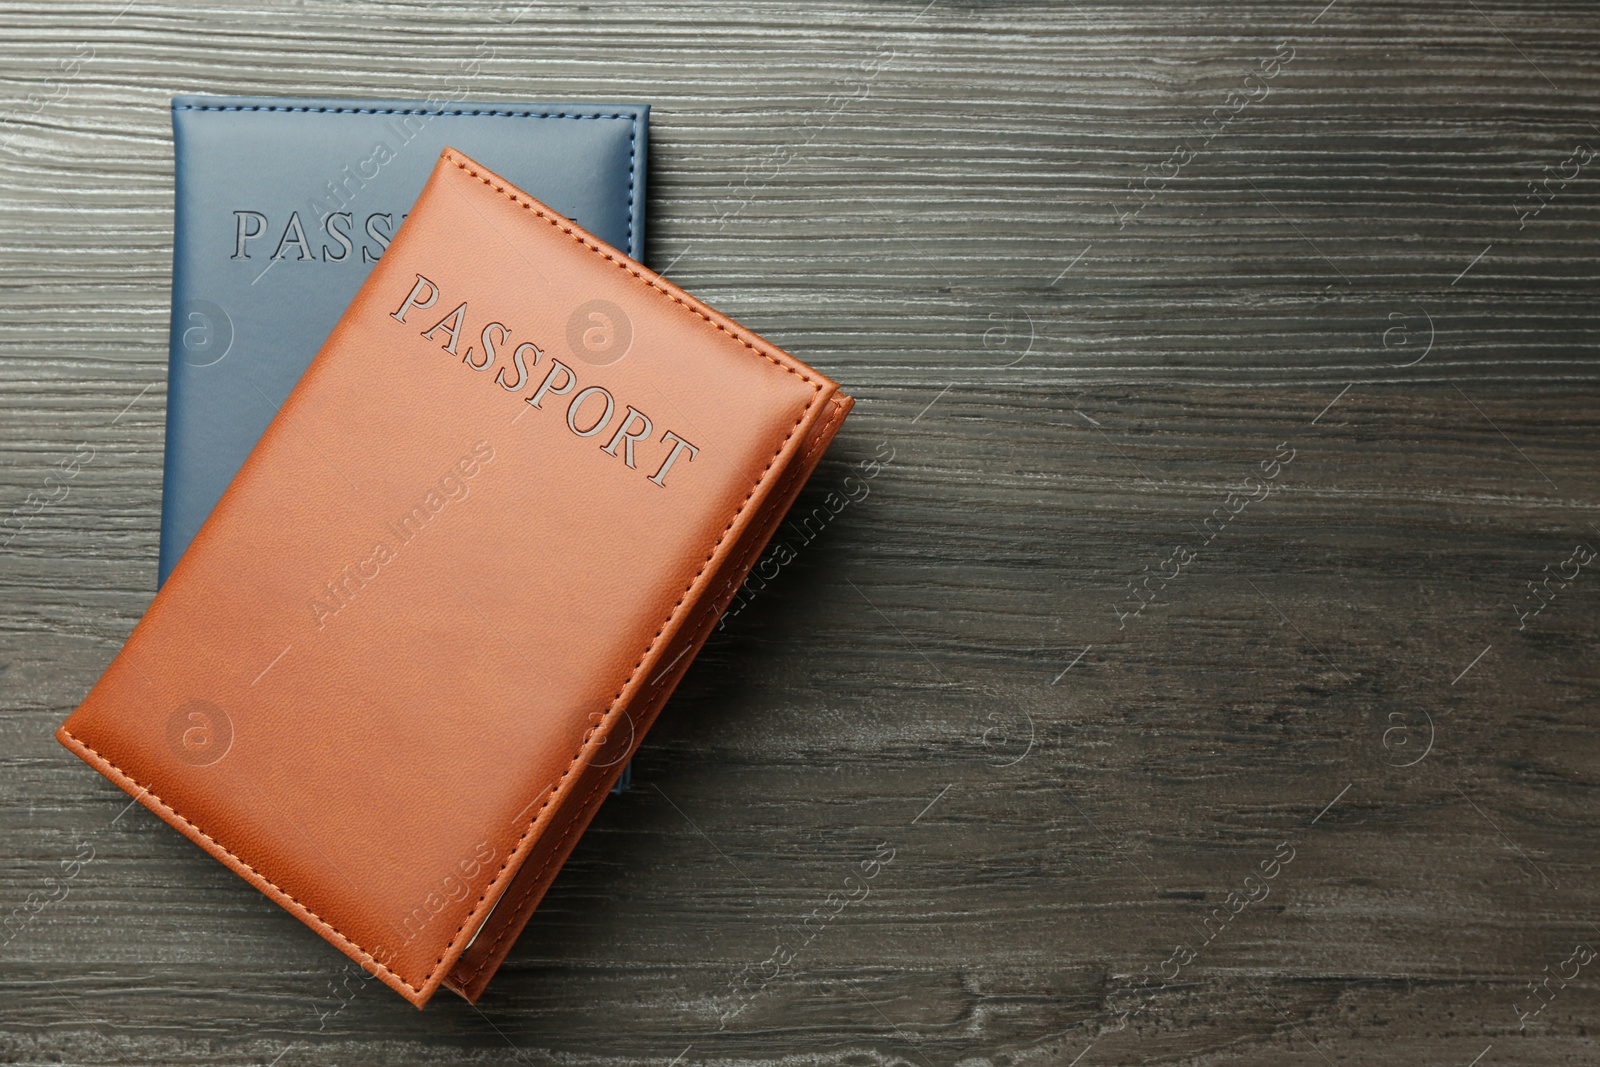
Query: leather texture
x,y
261,177
430,620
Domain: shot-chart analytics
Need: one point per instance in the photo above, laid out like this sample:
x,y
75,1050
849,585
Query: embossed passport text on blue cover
x,y
284,205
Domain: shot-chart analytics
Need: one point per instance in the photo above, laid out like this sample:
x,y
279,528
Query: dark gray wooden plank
x,y
925,203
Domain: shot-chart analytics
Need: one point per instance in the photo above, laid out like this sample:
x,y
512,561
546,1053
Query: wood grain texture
x,y
1079,305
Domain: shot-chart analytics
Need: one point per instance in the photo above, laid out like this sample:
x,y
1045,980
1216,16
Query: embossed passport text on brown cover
x,y
435,613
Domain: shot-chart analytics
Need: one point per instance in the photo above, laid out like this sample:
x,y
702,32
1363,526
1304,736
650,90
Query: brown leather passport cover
x,y
440,605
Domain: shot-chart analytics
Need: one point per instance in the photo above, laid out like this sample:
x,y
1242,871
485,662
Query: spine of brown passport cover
x,y
571,801
483,957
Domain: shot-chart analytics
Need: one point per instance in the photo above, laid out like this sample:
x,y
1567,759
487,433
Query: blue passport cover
x,y
283,206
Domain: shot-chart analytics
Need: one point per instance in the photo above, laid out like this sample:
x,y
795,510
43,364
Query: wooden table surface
x,y
1205,674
